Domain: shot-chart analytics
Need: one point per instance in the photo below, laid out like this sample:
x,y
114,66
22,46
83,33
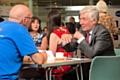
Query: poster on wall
x,y
115,13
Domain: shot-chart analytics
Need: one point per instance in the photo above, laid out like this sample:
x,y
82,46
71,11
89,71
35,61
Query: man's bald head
x,y
18,12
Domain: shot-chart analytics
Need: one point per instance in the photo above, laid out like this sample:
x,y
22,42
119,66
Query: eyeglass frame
x,y
28,17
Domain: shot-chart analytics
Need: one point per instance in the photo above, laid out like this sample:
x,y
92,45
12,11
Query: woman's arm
x,y
53,42
44,44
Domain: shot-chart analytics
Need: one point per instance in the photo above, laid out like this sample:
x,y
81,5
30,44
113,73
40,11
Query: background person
x,y
38,36
71,27
76,24
16,43
99,42
62,24
45,30
106,19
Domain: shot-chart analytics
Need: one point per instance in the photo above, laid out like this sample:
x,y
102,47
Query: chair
x,y
105,68
117,51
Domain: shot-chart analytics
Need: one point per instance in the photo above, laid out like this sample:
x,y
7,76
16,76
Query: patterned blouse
x,y
38,38
108,21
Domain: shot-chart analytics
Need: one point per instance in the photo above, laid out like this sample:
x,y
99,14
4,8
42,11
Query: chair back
x,y
105,68
117,51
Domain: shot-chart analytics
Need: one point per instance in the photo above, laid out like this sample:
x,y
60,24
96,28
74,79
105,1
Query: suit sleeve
x,y
100,44
72,46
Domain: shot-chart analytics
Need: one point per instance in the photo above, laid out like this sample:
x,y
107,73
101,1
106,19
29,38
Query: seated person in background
x,y
45,30
54,36
93,39
16,42
71,27
38,36
62,24
76,24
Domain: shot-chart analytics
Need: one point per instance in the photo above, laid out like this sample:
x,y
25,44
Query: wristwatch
x,y
29,58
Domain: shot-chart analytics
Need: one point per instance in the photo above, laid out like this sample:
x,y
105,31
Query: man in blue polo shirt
x,y
16,42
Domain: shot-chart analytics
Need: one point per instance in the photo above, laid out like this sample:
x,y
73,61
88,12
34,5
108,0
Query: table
x,y
50,65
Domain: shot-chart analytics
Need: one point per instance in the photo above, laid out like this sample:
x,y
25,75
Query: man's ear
x,y
94,20
22,21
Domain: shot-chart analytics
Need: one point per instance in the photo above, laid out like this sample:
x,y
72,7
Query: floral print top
x,y
38,38
109,22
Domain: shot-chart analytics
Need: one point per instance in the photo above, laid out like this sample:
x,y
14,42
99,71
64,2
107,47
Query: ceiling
x,y
42,7
72,2
58,2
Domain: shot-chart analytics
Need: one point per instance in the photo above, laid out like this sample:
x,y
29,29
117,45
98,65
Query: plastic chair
x,y
117,51
105,68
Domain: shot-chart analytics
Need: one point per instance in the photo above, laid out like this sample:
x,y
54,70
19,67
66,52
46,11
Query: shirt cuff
x,y
79,41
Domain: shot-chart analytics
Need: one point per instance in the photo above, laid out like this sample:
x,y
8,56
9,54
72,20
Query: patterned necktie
x,y
88,40
87,37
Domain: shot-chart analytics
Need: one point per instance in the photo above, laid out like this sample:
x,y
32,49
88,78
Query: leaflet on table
x,y
51,57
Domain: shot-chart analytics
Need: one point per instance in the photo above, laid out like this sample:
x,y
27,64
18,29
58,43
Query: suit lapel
x,y
94,33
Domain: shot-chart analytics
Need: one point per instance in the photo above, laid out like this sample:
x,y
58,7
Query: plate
x,y
60,58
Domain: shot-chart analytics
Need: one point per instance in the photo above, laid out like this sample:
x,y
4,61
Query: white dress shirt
x,y
79,40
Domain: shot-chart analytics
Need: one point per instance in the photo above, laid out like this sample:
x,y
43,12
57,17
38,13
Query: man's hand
x,y
40,57
66,38
44,55
78,35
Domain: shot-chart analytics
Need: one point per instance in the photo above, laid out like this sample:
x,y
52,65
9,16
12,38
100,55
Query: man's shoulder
x,y
100,26
11,22
16,28
101,29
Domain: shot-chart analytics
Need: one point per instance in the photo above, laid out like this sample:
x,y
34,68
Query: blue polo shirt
x,y
15,42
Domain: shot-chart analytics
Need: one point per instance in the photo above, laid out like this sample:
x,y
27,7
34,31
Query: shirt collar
x,y
91,31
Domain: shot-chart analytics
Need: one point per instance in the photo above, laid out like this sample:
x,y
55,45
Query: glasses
x,y
29,17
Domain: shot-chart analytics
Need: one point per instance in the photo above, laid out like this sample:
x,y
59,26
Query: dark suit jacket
x,y
101,43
